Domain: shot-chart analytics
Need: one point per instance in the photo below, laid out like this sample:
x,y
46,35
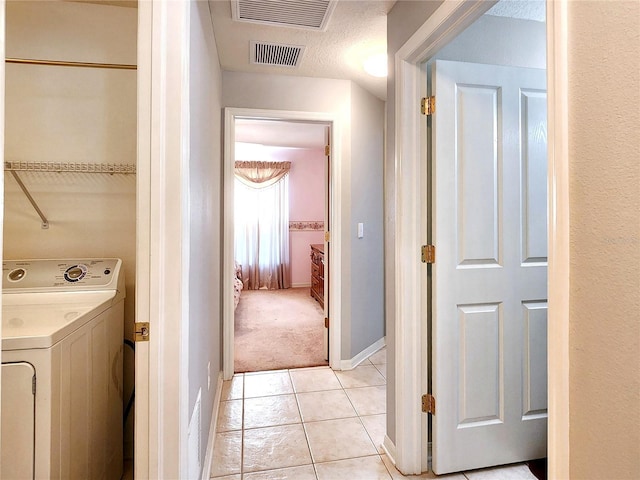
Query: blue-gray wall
x,y
205,232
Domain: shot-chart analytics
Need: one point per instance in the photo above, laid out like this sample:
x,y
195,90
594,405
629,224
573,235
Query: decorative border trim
x,y
306,225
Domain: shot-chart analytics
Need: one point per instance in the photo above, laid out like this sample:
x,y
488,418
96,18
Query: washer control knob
x,y
17,274
75,273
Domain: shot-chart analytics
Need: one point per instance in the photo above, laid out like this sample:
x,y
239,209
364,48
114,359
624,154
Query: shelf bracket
x,y
45,222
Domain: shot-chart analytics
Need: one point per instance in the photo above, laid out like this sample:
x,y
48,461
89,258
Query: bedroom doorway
x,y
280,177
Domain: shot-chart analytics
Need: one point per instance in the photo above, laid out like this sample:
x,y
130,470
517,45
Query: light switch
x,y
360,230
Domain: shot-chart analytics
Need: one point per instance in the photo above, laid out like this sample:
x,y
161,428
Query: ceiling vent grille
x,y
308,14
276,55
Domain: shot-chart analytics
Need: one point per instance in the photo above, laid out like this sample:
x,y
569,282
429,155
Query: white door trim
x,y
3,31
335,281
410,184
558,199
162,415
142,451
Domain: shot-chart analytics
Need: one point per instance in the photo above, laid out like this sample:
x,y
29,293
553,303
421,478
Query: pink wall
x,y
306,184
306,203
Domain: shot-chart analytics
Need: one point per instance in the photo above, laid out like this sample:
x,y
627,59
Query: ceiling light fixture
x,y
376,65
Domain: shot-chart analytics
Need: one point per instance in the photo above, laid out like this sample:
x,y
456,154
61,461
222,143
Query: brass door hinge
x,y
327,150
142,332
429,404
327,236
428,254
326,322
428,105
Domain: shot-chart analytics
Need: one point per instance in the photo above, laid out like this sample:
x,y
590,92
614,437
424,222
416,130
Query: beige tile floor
x,y
314,424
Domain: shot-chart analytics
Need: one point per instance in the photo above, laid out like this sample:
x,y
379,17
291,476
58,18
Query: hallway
x,y
313,424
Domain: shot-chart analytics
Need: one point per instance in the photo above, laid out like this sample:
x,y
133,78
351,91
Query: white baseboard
x,y
300,285
208,458
389,448
352,363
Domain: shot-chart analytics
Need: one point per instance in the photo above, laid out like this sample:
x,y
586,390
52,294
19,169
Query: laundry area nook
x,y
69,239
62,368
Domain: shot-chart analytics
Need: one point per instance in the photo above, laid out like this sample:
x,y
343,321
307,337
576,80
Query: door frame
x,y
450,19
143,457
161,378
3,33
335,187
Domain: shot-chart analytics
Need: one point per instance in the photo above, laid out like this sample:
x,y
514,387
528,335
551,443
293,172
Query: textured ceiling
x,y
327,55
522,9
280,133
357,29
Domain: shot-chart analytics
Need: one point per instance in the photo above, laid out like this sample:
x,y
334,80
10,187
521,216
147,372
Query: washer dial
x,y
75,273
16,274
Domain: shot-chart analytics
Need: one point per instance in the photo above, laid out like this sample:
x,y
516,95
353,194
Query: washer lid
x,y
40,320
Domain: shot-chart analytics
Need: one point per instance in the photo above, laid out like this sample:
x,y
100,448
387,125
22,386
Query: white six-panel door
x,y
489,310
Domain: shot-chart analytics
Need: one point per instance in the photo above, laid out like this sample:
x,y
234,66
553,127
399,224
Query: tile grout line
x,y
373,442
304,423
242,434
304,428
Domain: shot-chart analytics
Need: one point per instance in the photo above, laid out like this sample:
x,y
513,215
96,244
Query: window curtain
x,y
261,212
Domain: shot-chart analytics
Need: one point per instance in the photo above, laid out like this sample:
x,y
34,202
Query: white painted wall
x,y
604,197
500,41
205,233
280,92
57,114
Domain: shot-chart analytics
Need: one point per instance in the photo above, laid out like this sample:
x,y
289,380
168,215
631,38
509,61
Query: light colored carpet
x,y
277,329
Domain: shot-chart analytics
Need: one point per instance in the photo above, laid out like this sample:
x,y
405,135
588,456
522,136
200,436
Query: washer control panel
x,y
28,274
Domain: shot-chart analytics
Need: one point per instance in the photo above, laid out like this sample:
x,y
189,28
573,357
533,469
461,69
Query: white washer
x,y
62,338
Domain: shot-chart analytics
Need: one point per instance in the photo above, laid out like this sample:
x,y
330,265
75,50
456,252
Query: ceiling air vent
x,y
309,14
276,55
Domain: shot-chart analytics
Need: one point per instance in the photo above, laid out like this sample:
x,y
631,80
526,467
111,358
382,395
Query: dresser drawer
x,y
317,269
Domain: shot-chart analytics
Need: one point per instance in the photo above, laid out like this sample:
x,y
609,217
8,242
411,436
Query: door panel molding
x,y
533,113
487,338
478,176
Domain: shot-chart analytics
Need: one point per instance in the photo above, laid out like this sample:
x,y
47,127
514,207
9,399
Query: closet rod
x,y
28,61
45,222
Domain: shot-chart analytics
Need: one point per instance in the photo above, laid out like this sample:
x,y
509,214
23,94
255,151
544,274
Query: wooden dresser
x,y
317,272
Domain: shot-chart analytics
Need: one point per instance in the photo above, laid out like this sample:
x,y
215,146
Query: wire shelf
x,y
112,168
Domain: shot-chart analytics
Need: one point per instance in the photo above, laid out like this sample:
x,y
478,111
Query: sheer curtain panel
x,y
261,223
